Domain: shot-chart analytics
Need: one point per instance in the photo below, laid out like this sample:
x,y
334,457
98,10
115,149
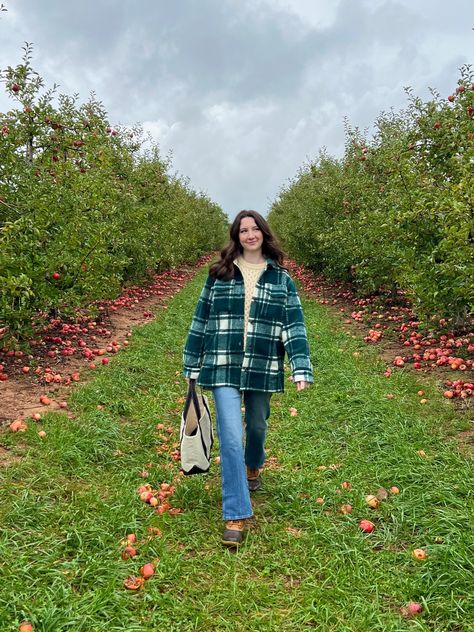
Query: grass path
x,y
67,505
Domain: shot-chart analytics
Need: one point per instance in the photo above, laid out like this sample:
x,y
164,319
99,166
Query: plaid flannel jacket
x,y
213,352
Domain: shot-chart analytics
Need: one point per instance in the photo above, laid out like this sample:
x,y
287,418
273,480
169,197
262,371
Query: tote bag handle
x,y
192,395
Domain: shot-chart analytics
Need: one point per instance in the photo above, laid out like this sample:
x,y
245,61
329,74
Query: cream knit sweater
x,y
251,273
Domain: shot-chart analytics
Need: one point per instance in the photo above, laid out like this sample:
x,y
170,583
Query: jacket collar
x,y
271,263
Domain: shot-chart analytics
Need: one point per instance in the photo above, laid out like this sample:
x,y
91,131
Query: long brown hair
x,y
224,268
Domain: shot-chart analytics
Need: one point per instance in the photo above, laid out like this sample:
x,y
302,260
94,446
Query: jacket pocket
x,y
222,300
271,301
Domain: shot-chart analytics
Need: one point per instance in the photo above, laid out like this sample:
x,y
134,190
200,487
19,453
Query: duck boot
x,y
254,478
233,532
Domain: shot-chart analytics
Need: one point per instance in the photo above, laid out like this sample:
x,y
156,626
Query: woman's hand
x,y
302,385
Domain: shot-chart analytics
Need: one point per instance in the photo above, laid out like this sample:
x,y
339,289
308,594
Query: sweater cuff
x,y
303,376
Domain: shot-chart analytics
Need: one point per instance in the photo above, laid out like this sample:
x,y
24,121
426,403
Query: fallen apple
x,y
128,552
147,570
133,583
411,609
18,426
419,554
382,493
366,526
372,501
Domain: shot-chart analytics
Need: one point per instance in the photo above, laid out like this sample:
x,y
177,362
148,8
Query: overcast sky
x,y
243,92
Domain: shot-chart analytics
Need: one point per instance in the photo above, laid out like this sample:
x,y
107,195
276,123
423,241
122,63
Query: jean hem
x,y
238,517
256,467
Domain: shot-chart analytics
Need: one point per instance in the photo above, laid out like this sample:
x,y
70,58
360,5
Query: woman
x,y
249,313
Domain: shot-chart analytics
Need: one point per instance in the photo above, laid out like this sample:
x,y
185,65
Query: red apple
x,y
147,570
366,526
411,609
128,552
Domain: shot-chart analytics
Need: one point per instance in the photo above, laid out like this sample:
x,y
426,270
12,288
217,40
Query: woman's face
x,y
250,235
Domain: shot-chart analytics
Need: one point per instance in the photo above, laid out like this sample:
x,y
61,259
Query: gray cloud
x,y
242,92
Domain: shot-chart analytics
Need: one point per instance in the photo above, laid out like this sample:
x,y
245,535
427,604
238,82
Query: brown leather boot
x,y
254,479
233,532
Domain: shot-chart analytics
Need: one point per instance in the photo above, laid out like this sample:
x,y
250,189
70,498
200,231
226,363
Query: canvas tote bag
x,y
196,435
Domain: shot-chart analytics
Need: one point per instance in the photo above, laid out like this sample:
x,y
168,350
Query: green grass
x,y
67,505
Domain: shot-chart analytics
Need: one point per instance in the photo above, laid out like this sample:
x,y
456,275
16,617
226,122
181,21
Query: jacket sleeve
x,y
295,338
194,347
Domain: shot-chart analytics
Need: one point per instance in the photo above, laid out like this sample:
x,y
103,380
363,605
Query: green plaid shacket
x,y
213,352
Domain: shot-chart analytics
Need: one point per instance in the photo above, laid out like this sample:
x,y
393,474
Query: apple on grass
x,y
366,526
147,570
419,554
412,609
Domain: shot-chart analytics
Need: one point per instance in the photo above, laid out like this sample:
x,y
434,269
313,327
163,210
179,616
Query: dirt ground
x,y
20,394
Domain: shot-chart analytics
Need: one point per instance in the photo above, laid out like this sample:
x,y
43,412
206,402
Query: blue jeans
x,y
235,493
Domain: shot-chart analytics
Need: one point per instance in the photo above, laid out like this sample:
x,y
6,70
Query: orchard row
x,y
395,213
86,207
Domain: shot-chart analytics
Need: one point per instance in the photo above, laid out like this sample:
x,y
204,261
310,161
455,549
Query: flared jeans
x,y
234,456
